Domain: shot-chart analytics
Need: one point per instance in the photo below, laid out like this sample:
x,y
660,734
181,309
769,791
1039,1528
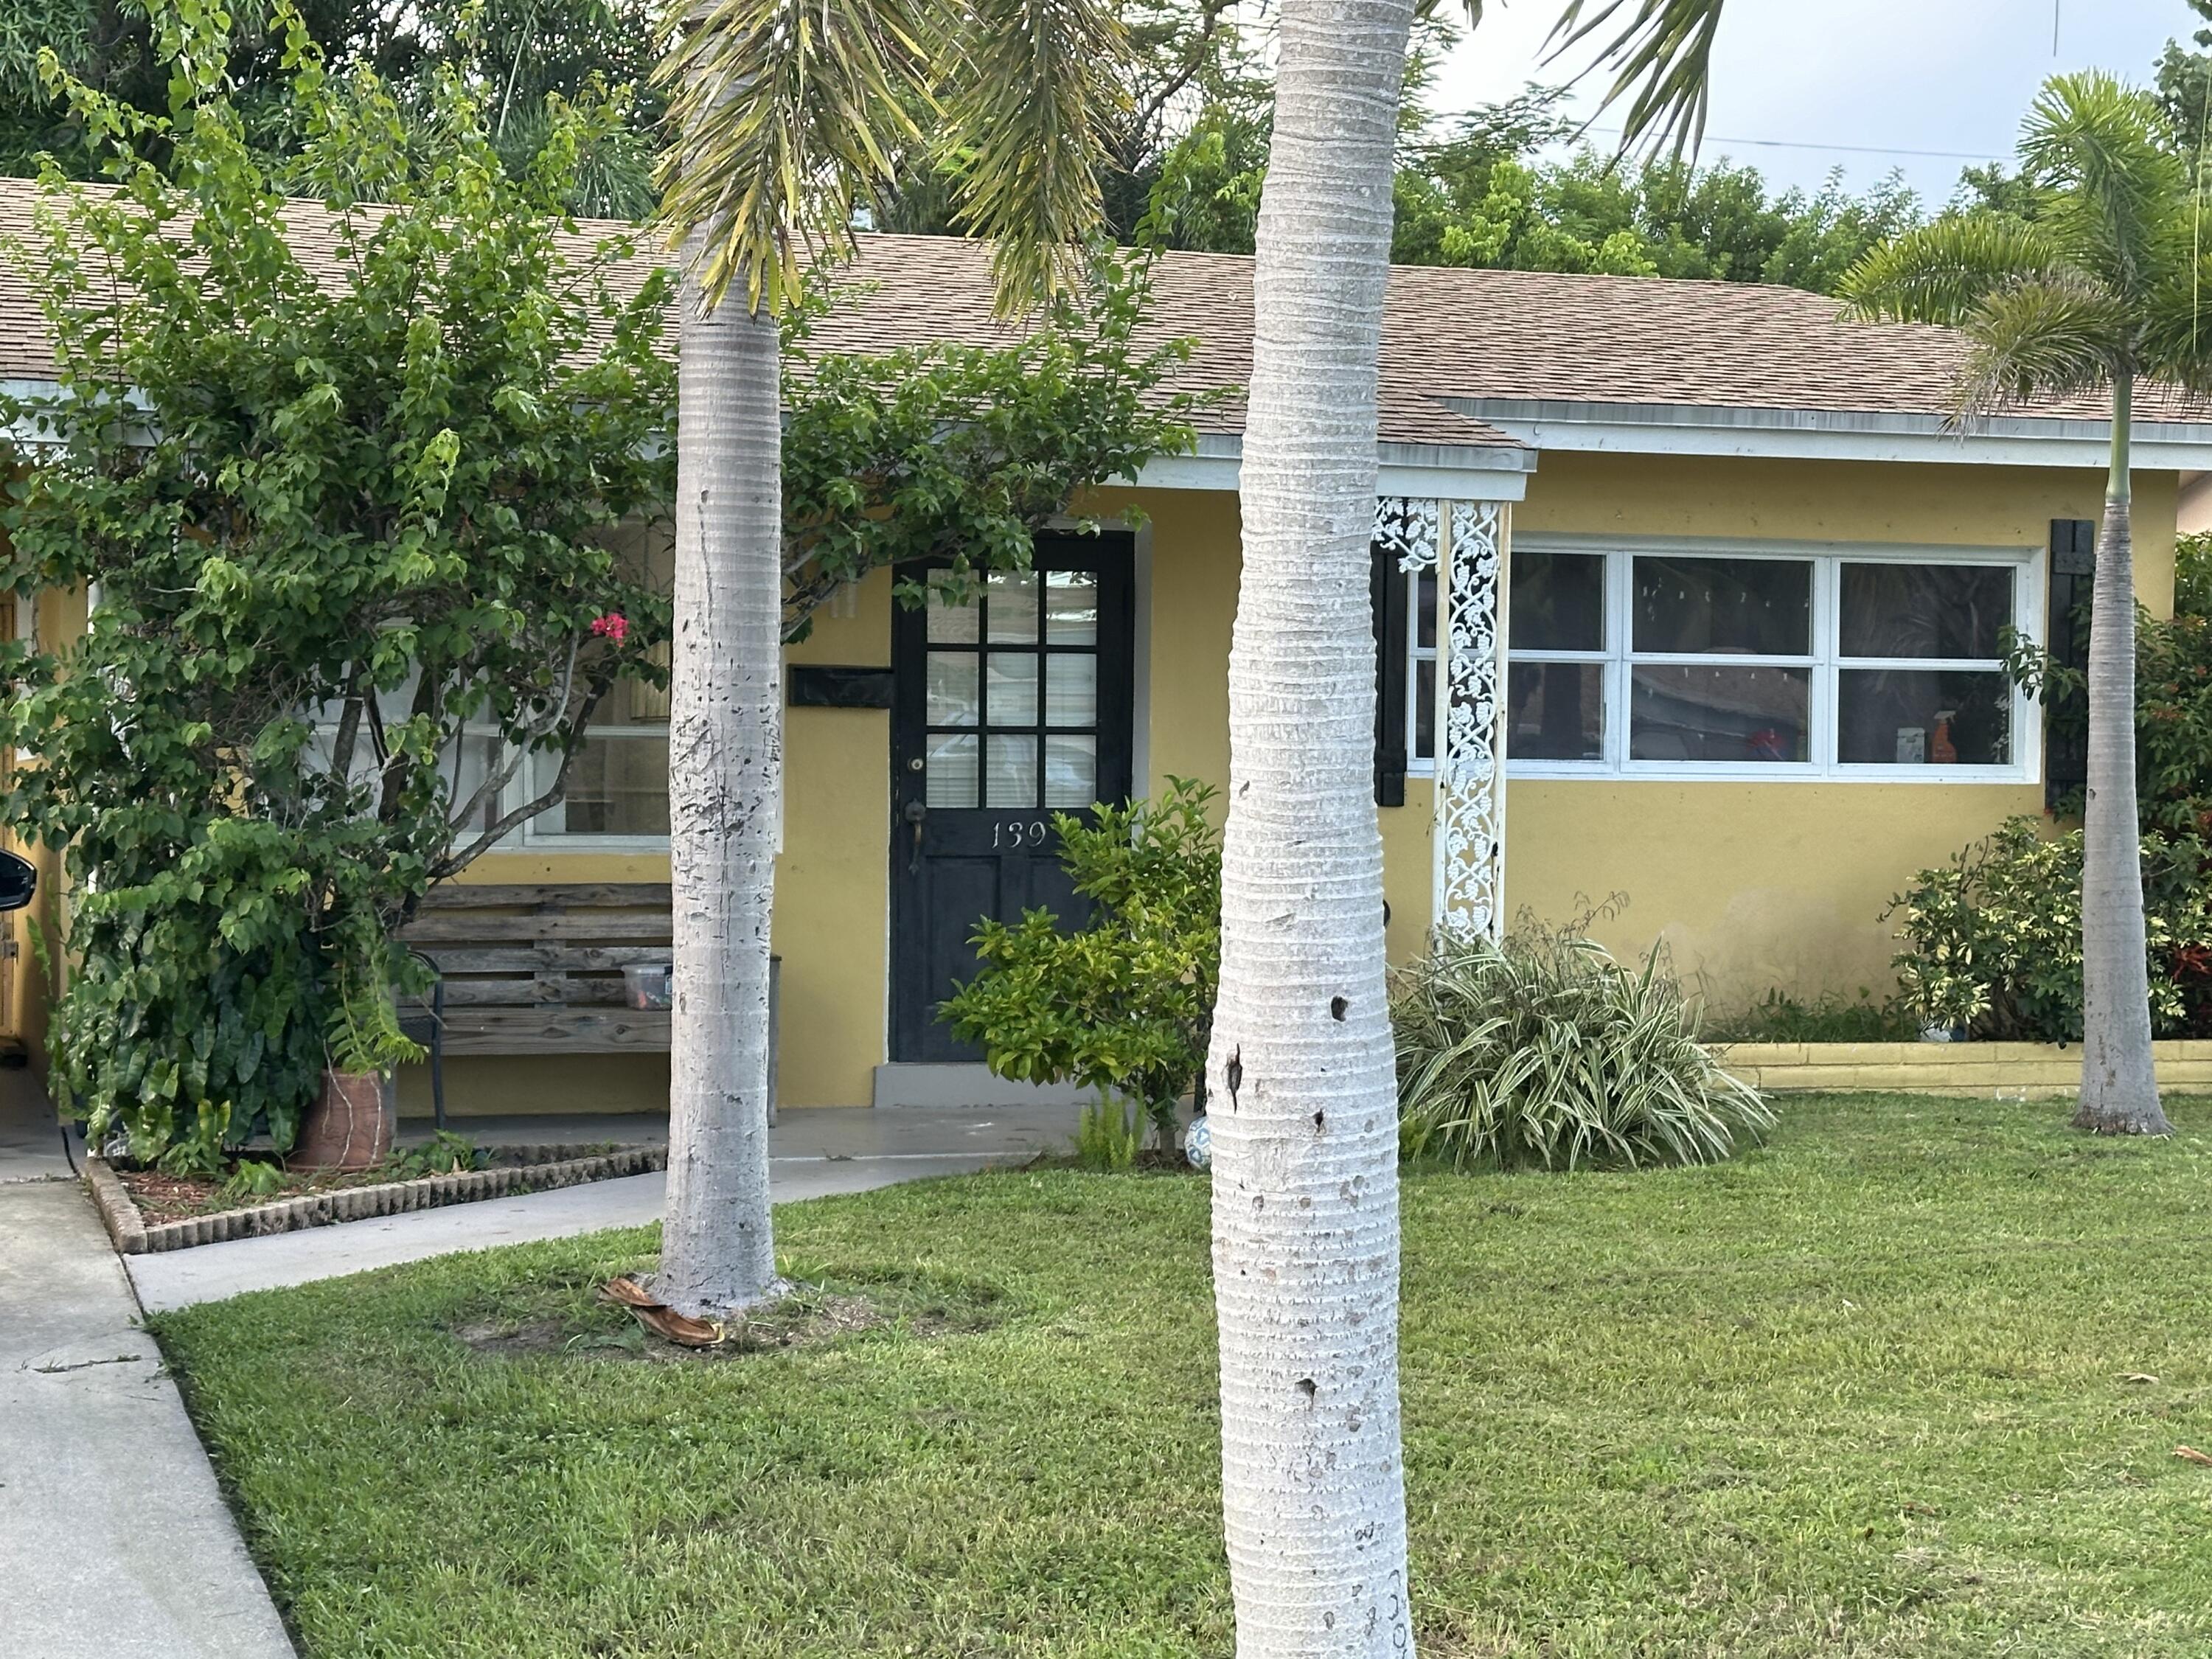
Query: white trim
x,y
1452,471
1827,557
1834,434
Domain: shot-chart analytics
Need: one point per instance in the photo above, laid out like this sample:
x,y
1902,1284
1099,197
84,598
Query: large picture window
x,y
1705,661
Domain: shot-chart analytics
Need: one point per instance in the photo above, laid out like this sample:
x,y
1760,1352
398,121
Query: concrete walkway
x,y
813,1153
30,1140
115,1542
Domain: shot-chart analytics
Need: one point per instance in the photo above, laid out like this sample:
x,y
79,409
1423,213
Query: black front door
x,y
1006,710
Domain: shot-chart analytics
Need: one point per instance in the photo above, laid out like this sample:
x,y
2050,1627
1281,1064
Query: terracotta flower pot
x,y
351,1124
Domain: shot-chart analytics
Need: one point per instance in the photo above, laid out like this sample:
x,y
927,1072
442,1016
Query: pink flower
x,y
613,627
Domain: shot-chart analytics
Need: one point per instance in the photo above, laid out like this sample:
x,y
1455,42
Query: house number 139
x,y
1006,835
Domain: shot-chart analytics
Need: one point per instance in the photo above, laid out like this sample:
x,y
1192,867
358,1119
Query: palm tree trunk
x,y
718,1250
1301,1080
2119,1087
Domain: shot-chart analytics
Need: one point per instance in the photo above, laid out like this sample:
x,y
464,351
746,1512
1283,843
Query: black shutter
x,y
2066,636
1387,592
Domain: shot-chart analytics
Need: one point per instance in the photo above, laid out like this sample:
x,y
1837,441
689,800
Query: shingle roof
x,y
1466,335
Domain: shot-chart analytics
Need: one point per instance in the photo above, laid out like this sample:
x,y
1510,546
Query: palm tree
x,y
1302,1087
787,113
2105,289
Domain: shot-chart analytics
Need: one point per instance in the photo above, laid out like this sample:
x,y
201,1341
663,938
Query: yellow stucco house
x,y
1702,561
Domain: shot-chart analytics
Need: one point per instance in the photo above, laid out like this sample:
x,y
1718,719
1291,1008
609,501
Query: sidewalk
x,y
115,1541
813,1153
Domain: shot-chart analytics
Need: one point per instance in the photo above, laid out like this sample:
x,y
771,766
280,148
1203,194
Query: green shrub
x,y
1547,1051
1123,1006
2173,700
1992,941
1778,1017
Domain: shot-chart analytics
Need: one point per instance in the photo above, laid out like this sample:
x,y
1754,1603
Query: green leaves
x,y
1993,939
1546,1051
964,452
1123,1006
1662,59
350,527
789,115
1943,272
1036,88
2103,284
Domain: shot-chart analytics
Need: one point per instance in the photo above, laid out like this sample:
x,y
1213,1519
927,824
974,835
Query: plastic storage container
x,y
647,984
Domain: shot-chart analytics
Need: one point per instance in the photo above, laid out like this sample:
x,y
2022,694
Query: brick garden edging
x,y
2037,1070
545,1169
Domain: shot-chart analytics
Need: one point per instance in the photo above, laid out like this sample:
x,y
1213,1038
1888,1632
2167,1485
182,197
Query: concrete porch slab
x,y
952,1085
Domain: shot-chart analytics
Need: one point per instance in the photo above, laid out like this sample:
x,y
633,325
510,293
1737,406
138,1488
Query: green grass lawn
x,y
1860,1393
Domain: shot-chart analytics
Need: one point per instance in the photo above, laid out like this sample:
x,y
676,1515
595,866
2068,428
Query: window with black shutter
x,y
2072,574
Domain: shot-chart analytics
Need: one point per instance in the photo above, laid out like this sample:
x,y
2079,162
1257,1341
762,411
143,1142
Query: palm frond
x,y
1036,89
780,111
2041,338
2118,183
2174,343
1942,272
1662,59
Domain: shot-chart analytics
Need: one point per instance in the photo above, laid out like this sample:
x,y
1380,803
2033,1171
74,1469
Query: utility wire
x,y
1851,149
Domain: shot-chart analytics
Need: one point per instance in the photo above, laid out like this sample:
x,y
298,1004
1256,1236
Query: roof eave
x,y
1487,472
1833,434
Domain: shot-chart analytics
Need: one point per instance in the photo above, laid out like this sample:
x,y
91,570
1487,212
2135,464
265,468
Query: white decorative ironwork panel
x,y
1470,825
1408,525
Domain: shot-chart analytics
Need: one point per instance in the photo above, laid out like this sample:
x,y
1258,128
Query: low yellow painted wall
x,y
2010,1070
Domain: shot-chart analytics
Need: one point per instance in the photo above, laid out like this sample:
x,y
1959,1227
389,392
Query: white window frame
x,y
544,833
1824,663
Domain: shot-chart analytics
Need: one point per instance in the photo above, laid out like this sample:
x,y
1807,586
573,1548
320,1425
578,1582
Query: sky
x,y
1894,75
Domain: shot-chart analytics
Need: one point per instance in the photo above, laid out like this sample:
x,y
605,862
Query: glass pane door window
x,y
1011,691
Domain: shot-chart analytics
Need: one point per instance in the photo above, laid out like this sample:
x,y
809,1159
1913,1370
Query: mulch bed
x,y
145,1210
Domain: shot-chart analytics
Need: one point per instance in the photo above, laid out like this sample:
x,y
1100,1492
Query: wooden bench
x,y
536,970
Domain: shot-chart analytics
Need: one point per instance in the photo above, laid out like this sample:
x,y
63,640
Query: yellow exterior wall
x,y
1754,885
1757,886
56,618
833,882
832,914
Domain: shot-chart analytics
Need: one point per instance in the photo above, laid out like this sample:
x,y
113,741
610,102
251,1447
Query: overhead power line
x,y
1848,149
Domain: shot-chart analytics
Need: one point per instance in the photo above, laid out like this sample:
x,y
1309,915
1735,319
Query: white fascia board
x,y
1835,435
1461,472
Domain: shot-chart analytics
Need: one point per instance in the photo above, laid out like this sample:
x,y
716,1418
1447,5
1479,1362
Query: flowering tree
x,y
350,525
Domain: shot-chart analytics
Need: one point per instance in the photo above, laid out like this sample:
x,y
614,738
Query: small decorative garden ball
x,y
1198,1142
